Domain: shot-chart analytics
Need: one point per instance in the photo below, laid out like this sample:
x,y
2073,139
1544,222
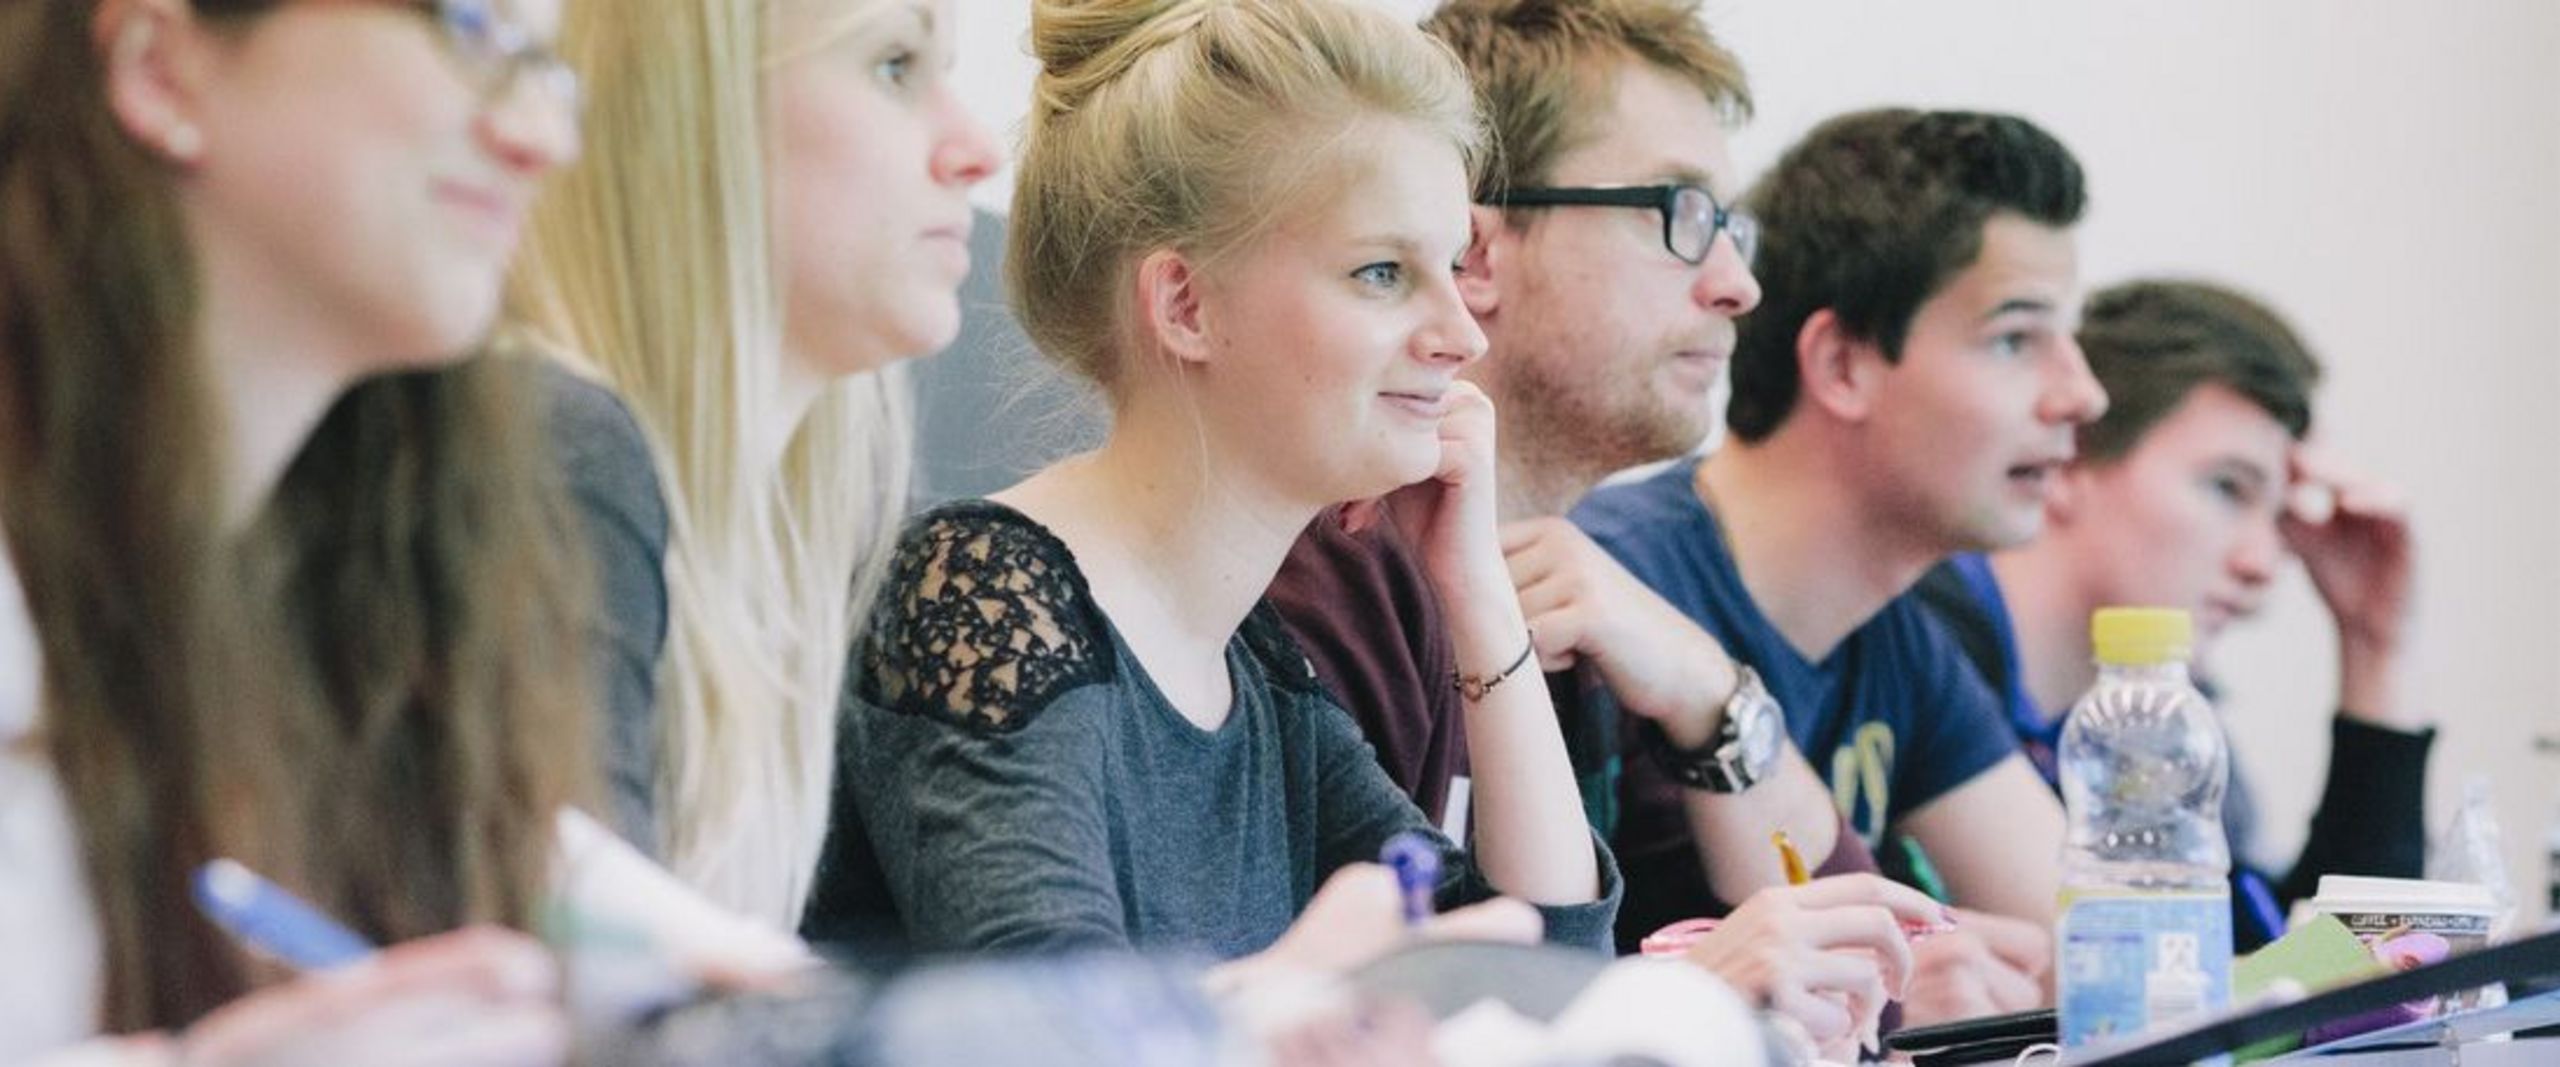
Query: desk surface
x,y
2470,1027
2529,959
2540,1052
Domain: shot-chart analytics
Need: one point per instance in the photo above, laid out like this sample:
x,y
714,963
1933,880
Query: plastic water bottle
x,y
2473,849
2145,933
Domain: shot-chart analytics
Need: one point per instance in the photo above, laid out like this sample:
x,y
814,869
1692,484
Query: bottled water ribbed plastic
x,y
2145,934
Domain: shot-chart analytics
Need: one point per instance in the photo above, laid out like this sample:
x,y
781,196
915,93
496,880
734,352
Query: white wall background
x,y
2386,173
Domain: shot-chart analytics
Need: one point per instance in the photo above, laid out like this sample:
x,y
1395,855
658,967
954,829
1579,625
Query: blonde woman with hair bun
x,y
1072,721
772,214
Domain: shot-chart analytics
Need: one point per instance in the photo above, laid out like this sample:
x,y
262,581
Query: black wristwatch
x,y
1755,729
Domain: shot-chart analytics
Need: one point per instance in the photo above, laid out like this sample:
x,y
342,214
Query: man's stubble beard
x,y
1559,424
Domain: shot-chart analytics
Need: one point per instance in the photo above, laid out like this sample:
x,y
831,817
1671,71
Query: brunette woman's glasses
x,y
498,56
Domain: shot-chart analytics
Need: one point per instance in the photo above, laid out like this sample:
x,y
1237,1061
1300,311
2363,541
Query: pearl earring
x,y
183,141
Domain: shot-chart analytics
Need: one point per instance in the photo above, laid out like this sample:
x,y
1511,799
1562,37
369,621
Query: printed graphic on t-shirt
x,y
1898,685
1861,780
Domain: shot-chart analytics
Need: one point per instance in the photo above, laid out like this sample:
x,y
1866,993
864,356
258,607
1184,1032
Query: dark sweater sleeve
x,y
1362,809
2372,815
614,484
994,841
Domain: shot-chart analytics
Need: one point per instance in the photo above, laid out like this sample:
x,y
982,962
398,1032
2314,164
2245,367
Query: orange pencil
x,y
1794,860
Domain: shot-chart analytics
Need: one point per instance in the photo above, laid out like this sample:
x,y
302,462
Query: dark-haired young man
x,y
2180,498
1907,389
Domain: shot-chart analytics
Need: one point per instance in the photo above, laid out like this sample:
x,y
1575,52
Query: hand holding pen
x,y
1415,859
274,923
1364,911
480,996
1791,862
1828,953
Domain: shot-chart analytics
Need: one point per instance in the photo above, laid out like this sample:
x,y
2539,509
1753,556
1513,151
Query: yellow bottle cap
x,y
2141,637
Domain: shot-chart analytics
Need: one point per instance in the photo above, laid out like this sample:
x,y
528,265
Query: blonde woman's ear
x,y
1170,305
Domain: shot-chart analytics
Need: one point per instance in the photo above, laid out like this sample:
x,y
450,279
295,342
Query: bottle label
x,y
2132,962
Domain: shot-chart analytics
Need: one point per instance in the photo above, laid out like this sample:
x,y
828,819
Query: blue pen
x,y
265,917
2262,902
1416,860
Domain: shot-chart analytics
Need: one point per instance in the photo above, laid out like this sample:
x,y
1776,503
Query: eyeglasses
x,y
497,56
1691,217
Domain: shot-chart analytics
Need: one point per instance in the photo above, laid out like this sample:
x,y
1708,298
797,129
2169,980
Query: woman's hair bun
x,y
1083,45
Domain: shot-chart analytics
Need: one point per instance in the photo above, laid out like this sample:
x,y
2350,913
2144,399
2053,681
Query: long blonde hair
x,y
654,262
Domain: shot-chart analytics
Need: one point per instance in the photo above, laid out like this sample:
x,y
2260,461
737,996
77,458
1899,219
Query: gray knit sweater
x,y
1012,780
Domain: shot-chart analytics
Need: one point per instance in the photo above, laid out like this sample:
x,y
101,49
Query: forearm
x,y
2030,891
2372,814
1530,837
2370,681
1997,841
1731,830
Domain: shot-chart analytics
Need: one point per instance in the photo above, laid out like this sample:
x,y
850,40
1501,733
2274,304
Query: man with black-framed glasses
x,y
1608,272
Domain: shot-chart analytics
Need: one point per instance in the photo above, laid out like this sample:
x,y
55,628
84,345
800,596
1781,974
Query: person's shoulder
x,y
589,425
1912,625
1641,506
1352,584
1920,647
1379,547
583,414
602,451
983,621
1267,639
1304,710
1944,591
1946,594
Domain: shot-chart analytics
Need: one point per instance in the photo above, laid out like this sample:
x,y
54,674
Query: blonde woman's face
x,y
1334,338
357,179
874,158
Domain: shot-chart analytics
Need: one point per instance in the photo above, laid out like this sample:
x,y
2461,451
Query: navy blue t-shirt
x,y
1893,718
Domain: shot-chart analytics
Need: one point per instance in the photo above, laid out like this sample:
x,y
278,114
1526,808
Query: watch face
x,y
1760,737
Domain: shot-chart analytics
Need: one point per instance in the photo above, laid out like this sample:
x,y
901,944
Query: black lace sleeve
x,y
983,621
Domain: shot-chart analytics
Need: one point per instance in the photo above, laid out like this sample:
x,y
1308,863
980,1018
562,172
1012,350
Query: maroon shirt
x,y
1367,617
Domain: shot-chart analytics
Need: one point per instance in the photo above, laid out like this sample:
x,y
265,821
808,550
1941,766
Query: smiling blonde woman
x,y
1074,723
